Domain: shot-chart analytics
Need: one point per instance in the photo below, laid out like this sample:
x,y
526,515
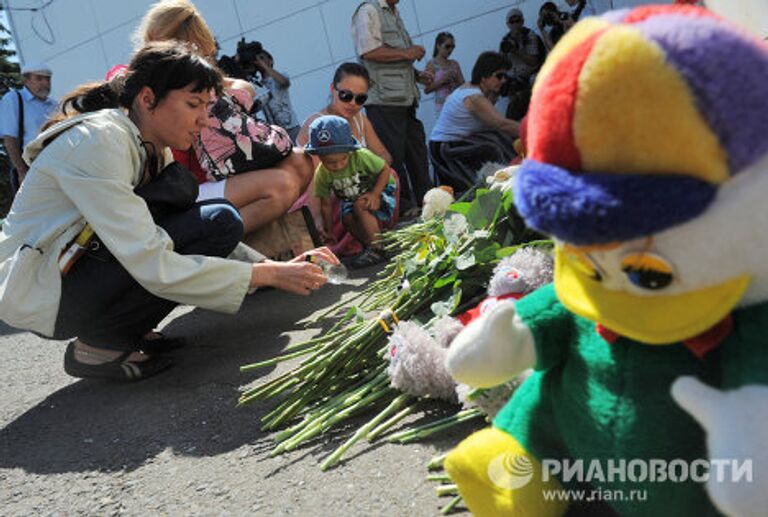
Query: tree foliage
x,y
9,70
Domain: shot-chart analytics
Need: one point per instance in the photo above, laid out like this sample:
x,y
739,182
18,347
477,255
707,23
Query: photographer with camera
x,y
552,24
525,52
277,108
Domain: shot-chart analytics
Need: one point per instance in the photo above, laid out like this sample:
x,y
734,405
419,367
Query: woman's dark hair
x,y
351,68
548,6
440,39
162,66
487,63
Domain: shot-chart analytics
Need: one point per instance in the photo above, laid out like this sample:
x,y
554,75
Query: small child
x,y
358,178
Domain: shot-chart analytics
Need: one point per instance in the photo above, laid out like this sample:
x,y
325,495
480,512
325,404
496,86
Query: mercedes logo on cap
x,y
324,136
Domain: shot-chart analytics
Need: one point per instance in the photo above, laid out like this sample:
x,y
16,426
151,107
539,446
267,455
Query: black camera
x,y
247,52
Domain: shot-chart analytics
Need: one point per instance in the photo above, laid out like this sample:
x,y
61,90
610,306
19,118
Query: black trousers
x,y
105,307
403,136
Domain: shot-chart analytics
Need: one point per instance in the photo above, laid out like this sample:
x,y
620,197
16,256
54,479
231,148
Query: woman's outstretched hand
x,y
298,276
321,253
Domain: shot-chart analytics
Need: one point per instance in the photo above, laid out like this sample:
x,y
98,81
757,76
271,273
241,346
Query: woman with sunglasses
x,y
447,72
349,91
469,130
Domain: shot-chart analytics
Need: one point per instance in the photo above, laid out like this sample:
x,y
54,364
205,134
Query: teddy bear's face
x,y
638,290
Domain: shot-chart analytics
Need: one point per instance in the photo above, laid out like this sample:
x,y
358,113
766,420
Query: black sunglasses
x,y
450,45
347,96
501,76
514,19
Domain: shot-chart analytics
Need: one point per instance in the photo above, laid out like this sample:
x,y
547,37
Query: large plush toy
x,y
648,164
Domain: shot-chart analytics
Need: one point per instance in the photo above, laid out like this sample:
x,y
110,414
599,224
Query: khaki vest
x,y
392,84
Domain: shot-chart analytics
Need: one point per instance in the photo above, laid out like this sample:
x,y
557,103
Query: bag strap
x,y
21,119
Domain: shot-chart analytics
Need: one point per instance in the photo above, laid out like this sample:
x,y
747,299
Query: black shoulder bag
x,y
15,183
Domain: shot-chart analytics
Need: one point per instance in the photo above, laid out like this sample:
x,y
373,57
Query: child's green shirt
x,y
354,180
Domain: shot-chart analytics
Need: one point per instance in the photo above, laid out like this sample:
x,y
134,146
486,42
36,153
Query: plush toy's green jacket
x,y
589,399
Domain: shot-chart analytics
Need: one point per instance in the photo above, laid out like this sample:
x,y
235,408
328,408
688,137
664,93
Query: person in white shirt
x,y
32,112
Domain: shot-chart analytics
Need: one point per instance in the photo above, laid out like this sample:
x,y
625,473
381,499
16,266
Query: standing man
x,y
29,107
525,52
384,47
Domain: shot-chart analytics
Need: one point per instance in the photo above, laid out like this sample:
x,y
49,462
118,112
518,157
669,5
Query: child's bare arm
x,y
381,181
374,195
326,212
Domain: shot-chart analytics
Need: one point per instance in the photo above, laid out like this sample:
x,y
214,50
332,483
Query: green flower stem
x,y
321,426
418,433
294,405
393,406
440,478
286,434
376,432
258,392
326,412
437,462
335,308
446,490
279,359
289,382
448,508
325,338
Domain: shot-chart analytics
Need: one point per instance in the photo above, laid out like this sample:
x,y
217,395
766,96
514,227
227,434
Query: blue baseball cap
x,y
330,134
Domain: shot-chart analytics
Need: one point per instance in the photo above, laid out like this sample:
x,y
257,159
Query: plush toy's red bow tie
x,y
698,345
472,314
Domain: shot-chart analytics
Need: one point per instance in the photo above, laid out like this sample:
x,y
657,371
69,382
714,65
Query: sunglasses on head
x,y
347,96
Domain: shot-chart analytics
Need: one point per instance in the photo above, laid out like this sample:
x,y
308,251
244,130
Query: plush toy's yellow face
x,y
639,293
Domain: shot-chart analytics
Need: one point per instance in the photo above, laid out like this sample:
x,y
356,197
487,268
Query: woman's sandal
x,y
161,344
119,369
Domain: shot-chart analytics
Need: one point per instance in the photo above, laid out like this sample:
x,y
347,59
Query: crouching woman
x,y
103,242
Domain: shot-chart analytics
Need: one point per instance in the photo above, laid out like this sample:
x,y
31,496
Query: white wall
x,y
82,39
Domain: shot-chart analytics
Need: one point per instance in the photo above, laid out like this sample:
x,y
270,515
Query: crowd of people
x,y
170,143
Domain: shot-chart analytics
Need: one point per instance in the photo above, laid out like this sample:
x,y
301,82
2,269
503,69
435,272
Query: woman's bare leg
x,y
263,195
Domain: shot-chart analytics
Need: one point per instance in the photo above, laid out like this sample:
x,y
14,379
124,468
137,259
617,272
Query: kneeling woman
x,y
469,131
144,254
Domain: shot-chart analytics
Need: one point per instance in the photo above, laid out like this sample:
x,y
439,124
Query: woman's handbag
x,y
172,190
235,142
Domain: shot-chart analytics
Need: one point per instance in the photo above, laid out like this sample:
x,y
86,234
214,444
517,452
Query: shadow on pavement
x,y
7,330
190,410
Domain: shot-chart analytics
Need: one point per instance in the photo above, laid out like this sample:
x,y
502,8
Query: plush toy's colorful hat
x,y
637,118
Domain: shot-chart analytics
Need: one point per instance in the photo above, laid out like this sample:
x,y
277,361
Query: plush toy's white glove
x,y
736,423
492,349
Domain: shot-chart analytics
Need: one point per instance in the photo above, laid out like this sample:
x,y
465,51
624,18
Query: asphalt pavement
x,y
177,444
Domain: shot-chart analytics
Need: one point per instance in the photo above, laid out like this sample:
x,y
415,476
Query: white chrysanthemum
x,y
502,178
436,203
455,226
